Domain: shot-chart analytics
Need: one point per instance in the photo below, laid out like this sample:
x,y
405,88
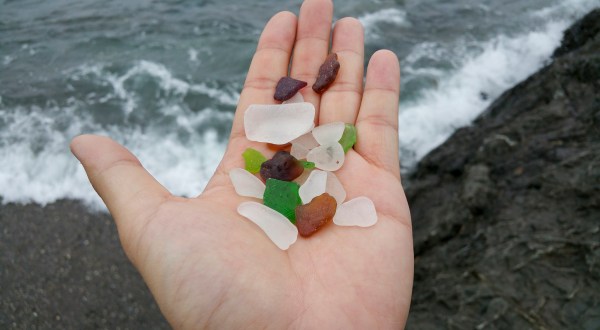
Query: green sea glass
x,y
349,137
283,197
307,165
253,159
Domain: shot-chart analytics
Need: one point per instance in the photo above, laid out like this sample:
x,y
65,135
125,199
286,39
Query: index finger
x,y
269,64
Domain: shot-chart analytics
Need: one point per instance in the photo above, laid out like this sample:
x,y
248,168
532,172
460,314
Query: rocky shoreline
x,y
506,213
506,220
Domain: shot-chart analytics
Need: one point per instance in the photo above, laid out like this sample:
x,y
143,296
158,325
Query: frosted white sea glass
x,y
359,211
297,98
246,184
278,123
302,145
277,227
329,133
314,186
327,157
335,188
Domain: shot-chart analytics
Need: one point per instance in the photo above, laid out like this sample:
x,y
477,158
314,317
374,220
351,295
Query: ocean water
x,y
163,78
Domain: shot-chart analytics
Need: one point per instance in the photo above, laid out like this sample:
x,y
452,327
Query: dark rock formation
x,y
506,213
579,34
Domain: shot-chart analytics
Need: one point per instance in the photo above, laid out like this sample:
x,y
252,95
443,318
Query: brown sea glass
x,y
288,87
282,166
278,147
313,216
327,73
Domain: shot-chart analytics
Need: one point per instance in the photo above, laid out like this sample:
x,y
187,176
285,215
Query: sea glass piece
x,y
283,197
246,184
359,211
327,73
307,165
282,232
278,123
327,157
302,145
335,188
299,151
315,185
302,178
329,133
278,147
297,98
282,166
288,87
348,139
313,216
253,159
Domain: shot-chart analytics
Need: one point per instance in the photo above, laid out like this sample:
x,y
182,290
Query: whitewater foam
x,y
192,55
37,166
460,96
7,59
370,21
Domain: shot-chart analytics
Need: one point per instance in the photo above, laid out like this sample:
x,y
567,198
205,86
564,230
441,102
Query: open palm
x,y
209,267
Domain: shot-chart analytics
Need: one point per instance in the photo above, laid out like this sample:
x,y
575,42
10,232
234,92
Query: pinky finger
x,y
377,122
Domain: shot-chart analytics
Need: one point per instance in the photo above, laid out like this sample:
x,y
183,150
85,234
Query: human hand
x,y
208,267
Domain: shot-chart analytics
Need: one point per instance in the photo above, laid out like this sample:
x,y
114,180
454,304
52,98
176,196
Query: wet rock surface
x,y
506,213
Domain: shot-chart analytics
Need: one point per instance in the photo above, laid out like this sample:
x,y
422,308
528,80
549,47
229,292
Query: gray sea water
x,y
163,78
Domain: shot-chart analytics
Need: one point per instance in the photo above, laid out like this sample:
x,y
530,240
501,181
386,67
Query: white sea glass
x,y
327,157
278,123
246,184
329,133
277,227
314,186
359,211
303,177
302,145
297,98
335,189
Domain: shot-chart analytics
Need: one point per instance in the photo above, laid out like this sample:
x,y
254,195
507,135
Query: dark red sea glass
x,y
288,87
282,166
327,73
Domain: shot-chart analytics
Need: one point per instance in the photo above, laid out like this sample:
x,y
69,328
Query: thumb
x,y
131,194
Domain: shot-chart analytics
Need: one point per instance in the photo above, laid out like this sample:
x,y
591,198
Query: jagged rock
x,y
579,34
477,188
506,212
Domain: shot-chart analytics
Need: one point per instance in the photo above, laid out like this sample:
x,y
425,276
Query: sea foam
x,y
37,166
370,21
480,76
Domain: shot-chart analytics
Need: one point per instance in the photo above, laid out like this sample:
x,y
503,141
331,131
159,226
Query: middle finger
x,y
312,45
342,100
